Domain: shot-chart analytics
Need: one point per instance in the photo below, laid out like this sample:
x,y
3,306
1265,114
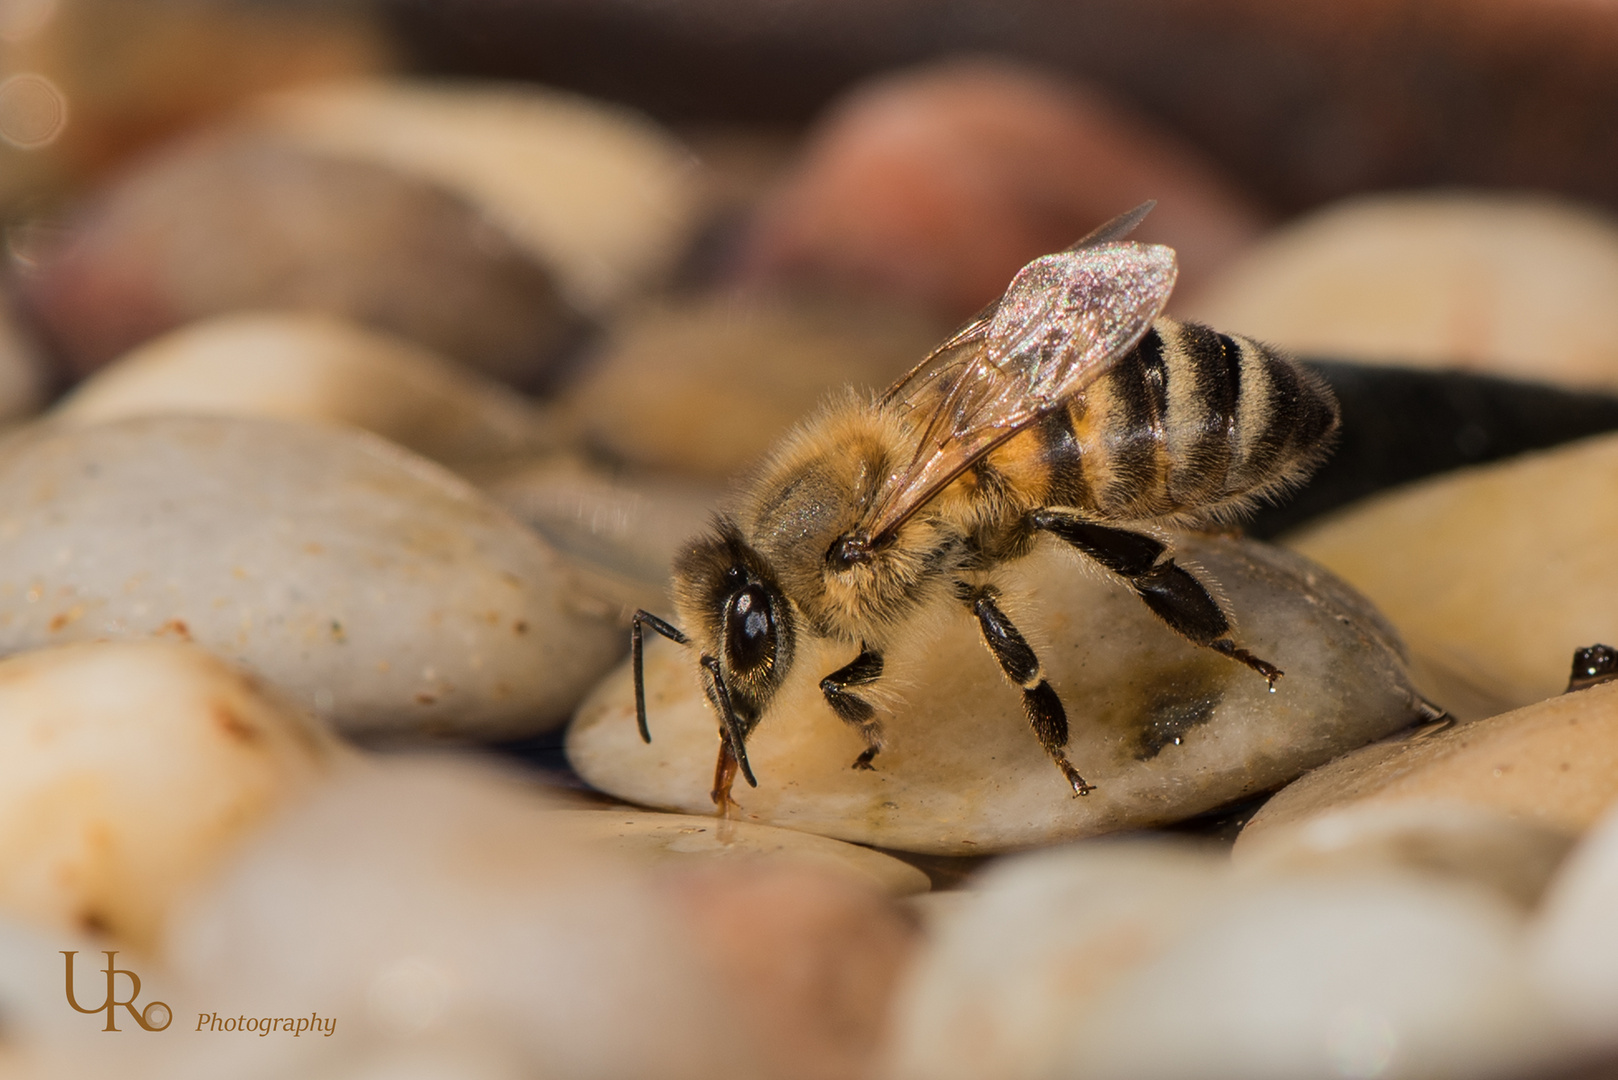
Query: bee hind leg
x,y
1017,660
852,709
1172,592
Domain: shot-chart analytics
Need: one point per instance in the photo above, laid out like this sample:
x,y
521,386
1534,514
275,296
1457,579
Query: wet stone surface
x,y
1163,729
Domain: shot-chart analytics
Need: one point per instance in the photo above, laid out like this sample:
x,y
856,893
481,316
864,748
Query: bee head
x,y
728,595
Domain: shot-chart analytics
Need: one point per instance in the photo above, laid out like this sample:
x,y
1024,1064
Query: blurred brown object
x,y
118,75
1301,102
232,220
812,957
936,185
706,384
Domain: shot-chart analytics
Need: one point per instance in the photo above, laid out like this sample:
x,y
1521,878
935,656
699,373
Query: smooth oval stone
x,y
1495,573
1165,730
308,366
372,586
130,770
706,385
1574,943
1469,843
675,839
1503,284
1553,764
605,198
1034,942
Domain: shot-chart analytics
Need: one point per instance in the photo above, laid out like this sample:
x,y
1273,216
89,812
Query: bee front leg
x,y
851,709
1017,659
1172,592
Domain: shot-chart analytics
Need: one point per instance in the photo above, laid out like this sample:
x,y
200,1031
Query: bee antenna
x,y
635,651
1116,229
733,726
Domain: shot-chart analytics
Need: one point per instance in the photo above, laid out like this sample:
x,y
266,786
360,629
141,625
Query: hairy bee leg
x,y
1017,659
635,649
852,709
1172,592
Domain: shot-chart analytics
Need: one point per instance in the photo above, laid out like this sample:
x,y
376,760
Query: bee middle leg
x,y
1019,663
1172,592
852,709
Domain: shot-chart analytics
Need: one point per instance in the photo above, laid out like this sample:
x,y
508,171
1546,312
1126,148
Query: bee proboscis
x,y
1069,408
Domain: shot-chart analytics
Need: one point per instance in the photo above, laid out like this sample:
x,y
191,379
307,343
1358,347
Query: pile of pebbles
x,y
395,400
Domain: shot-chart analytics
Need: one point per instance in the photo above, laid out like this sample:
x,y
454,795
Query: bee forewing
x,y
1067,316
1061,324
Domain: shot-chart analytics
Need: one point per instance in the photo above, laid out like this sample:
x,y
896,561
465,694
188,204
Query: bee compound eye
x,y
749,628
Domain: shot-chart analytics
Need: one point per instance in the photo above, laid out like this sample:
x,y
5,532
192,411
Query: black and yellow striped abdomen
x,y
1191,423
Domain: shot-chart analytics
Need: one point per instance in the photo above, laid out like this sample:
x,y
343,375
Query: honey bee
x,y
1070,408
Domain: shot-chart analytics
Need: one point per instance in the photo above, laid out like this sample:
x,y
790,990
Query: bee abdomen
x,y
1196,421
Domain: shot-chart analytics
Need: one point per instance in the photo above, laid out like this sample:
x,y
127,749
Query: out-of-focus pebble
x,y
25,374
232,220
1575,939
1505,284
673,839
937,185
1034,943
1163,729
307,366
131,769
374,587
602,197
1382,976
814,958
1495,573
1145,961
430,904
112,78
1470,843
630,525
1553,764
424,902
709,385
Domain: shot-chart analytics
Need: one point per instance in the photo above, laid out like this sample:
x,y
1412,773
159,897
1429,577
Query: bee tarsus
x,y
852,709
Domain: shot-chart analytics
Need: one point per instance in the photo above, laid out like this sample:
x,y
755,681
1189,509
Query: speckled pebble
x,y
372,586
128,770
